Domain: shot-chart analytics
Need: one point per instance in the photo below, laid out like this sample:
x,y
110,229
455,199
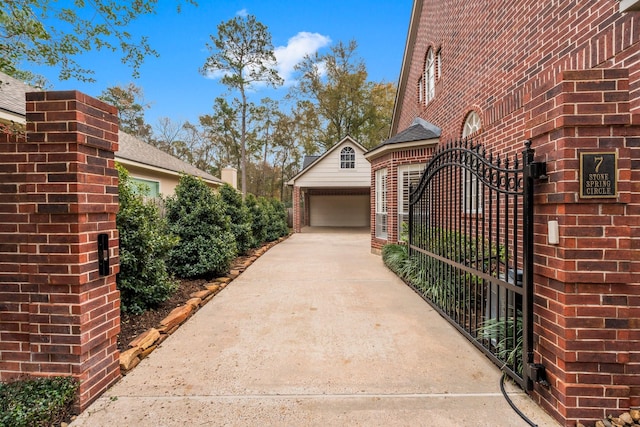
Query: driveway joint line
x,y
319,396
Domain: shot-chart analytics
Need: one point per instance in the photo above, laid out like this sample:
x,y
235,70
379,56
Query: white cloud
x,y
297,48
289,56
242,12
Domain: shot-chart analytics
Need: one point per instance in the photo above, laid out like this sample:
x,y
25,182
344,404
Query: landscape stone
x,y
176,317
635,414
146,340
223,279
194,302
213,287
147,352
626,418
201,294
129,359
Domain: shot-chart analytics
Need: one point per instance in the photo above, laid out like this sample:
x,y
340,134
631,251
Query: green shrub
x,y
37,402
145,242
240,218
197,216
276,217
259,221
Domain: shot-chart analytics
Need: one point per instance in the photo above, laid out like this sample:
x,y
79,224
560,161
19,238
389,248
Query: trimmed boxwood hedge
x,y
197,216
145,242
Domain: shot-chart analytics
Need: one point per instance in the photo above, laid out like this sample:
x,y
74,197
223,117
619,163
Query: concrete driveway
x,y
317,332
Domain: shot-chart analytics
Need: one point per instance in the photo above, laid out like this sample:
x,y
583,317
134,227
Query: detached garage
x,y
333,190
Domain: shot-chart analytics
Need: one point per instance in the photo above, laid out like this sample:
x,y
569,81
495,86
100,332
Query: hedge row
x,y
199,235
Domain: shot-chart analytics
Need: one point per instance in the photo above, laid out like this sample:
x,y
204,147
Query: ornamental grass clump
x,y
197,216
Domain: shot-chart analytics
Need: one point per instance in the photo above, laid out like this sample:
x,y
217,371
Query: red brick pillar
x,y
296,209
306,205
587,303
58,314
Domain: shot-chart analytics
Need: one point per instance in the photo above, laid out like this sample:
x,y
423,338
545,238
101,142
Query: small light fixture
x,y
553,236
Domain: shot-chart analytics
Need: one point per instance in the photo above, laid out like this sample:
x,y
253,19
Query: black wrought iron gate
x,y
471,242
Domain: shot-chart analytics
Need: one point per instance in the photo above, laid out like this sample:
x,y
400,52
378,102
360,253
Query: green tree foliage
x,y
129,100
240,218
223,134
242,53
145,243
197,215
336,100
47,32
259,220
276,218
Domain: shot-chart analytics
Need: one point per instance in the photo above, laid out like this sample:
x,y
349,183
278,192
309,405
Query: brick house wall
x,y
58,314
392,161
567,76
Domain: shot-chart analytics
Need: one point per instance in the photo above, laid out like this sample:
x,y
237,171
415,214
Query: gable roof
x,y
308,164
12,98
420,133
308,160
131,149
136,152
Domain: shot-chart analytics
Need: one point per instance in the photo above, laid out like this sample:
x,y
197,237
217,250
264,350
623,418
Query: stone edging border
x,y
148,341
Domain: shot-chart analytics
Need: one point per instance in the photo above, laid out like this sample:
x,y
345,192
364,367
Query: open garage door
x,y
339,210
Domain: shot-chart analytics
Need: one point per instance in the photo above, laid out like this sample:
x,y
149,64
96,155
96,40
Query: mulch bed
x,y
132,325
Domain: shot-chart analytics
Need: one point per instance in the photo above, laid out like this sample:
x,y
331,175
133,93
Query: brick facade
x,y
58,315
567,76
392,161
587,287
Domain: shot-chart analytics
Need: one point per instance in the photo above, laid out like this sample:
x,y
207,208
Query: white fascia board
x,y
383,149
157,169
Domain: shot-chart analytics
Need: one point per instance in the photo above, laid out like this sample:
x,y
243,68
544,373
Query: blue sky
x,y
176,89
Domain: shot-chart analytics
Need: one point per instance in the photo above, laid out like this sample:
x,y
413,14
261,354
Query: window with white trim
x,y
471,197
429,77
347,158
146,187
408,178
381,203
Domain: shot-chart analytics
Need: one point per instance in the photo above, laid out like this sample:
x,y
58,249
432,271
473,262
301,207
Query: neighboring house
x,y
146,164
332,190
12,102
566,76
155,168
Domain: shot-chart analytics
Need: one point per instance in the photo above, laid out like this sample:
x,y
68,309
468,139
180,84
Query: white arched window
x,y
429,76
472,124
347,158
471,199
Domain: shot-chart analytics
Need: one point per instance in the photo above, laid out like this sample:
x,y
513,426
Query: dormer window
x,y
347,158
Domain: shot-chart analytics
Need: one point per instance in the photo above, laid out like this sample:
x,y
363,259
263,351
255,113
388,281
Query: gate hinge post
x,y
536,373
538,170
